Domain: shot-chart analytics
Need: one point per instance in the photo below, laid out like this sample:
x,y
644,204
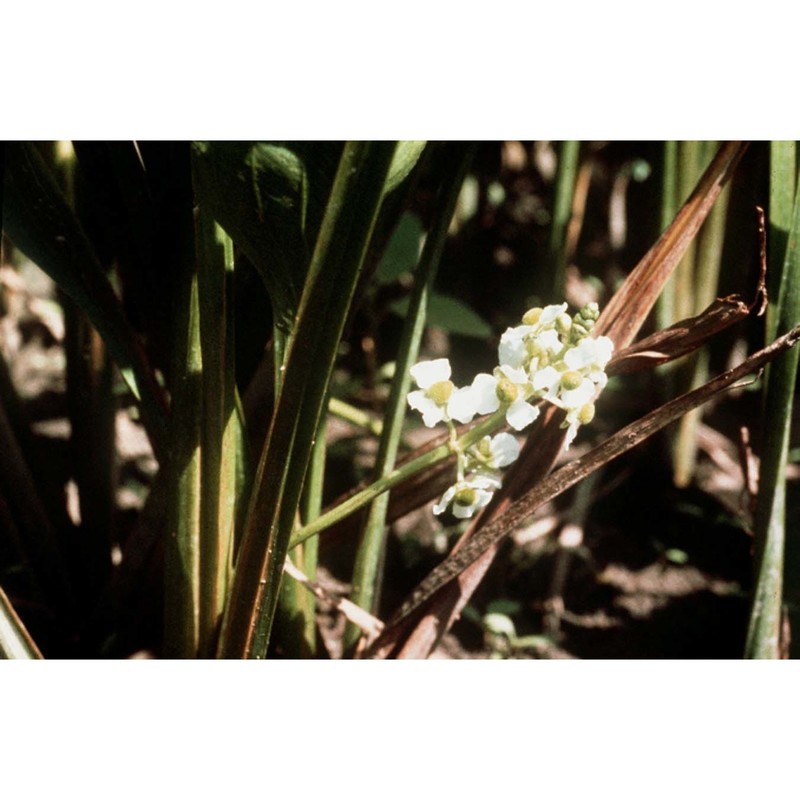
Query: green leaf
x,y
405,159
402,252
332,278
451,315
41,224
269,197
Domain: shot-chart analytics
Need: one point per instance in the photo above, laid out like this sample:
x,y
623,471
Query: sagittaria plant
x,y
200,264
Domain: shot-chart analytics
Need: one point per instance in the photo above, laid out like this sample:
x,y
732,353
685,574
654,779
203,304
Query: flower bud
x,y
485,447
507,390
583,322
563,323
586,414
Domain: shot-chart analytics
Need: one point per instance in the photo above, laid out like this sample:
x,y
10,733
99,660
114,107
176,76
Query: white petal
x,y
582,355
549,340
575,398
605,349
520,414
484,482
511,350
504,449
463,404
550,313
572,432
431,413
484,389
465,512
515,375
426,373
547,380
441,506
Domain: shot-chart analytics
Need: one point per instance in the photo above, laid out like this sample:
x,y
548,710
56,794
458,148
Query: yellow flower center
x,y
571,379
440,392
466,496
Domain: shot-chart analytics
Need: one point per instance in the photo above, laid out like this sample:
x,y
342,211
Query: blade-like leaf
x,y
332,277
39,221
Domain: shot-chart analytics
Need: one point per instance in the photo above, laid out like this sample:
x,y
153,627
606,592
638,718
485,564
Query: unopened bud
x,y
507,390
563,323
583,322
586,414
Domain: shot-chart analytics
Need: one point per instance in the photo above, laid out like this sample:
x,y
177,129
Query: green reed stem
x,y
370,554
182,557
665,306
783,175
562,211
328,292
763,635
220,423
708,261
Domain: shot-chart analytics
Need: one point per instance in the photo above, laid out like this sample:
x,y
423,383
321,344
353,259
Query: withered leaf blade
x,y
628,308
679,339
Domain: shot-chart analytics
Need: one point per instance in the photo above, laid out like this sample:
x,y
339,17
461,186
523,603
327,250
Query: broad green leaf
x,y
402,252
451,315
269,197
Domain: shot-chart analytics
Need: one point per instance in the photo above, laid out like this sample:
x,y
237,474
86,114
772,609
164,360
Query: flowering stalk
x,y
550,356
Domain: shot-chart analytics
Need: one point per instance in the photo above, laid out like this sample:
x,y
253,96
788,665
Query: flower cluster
x,y
549,357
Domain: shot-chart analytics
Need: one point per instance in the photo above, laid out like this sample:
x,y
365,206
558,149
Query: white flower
x,y
508,386
494,452
437,398
468,496
551,313
512,351
577,397
546,382
590,357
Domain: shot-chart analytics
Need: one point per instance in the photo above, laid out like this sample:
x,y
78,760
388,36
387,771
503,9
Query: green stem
x,y
665,308
763,635
219,432
328,292
708,261
182,558
782,176
369,557
355,415
396,477
562,210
